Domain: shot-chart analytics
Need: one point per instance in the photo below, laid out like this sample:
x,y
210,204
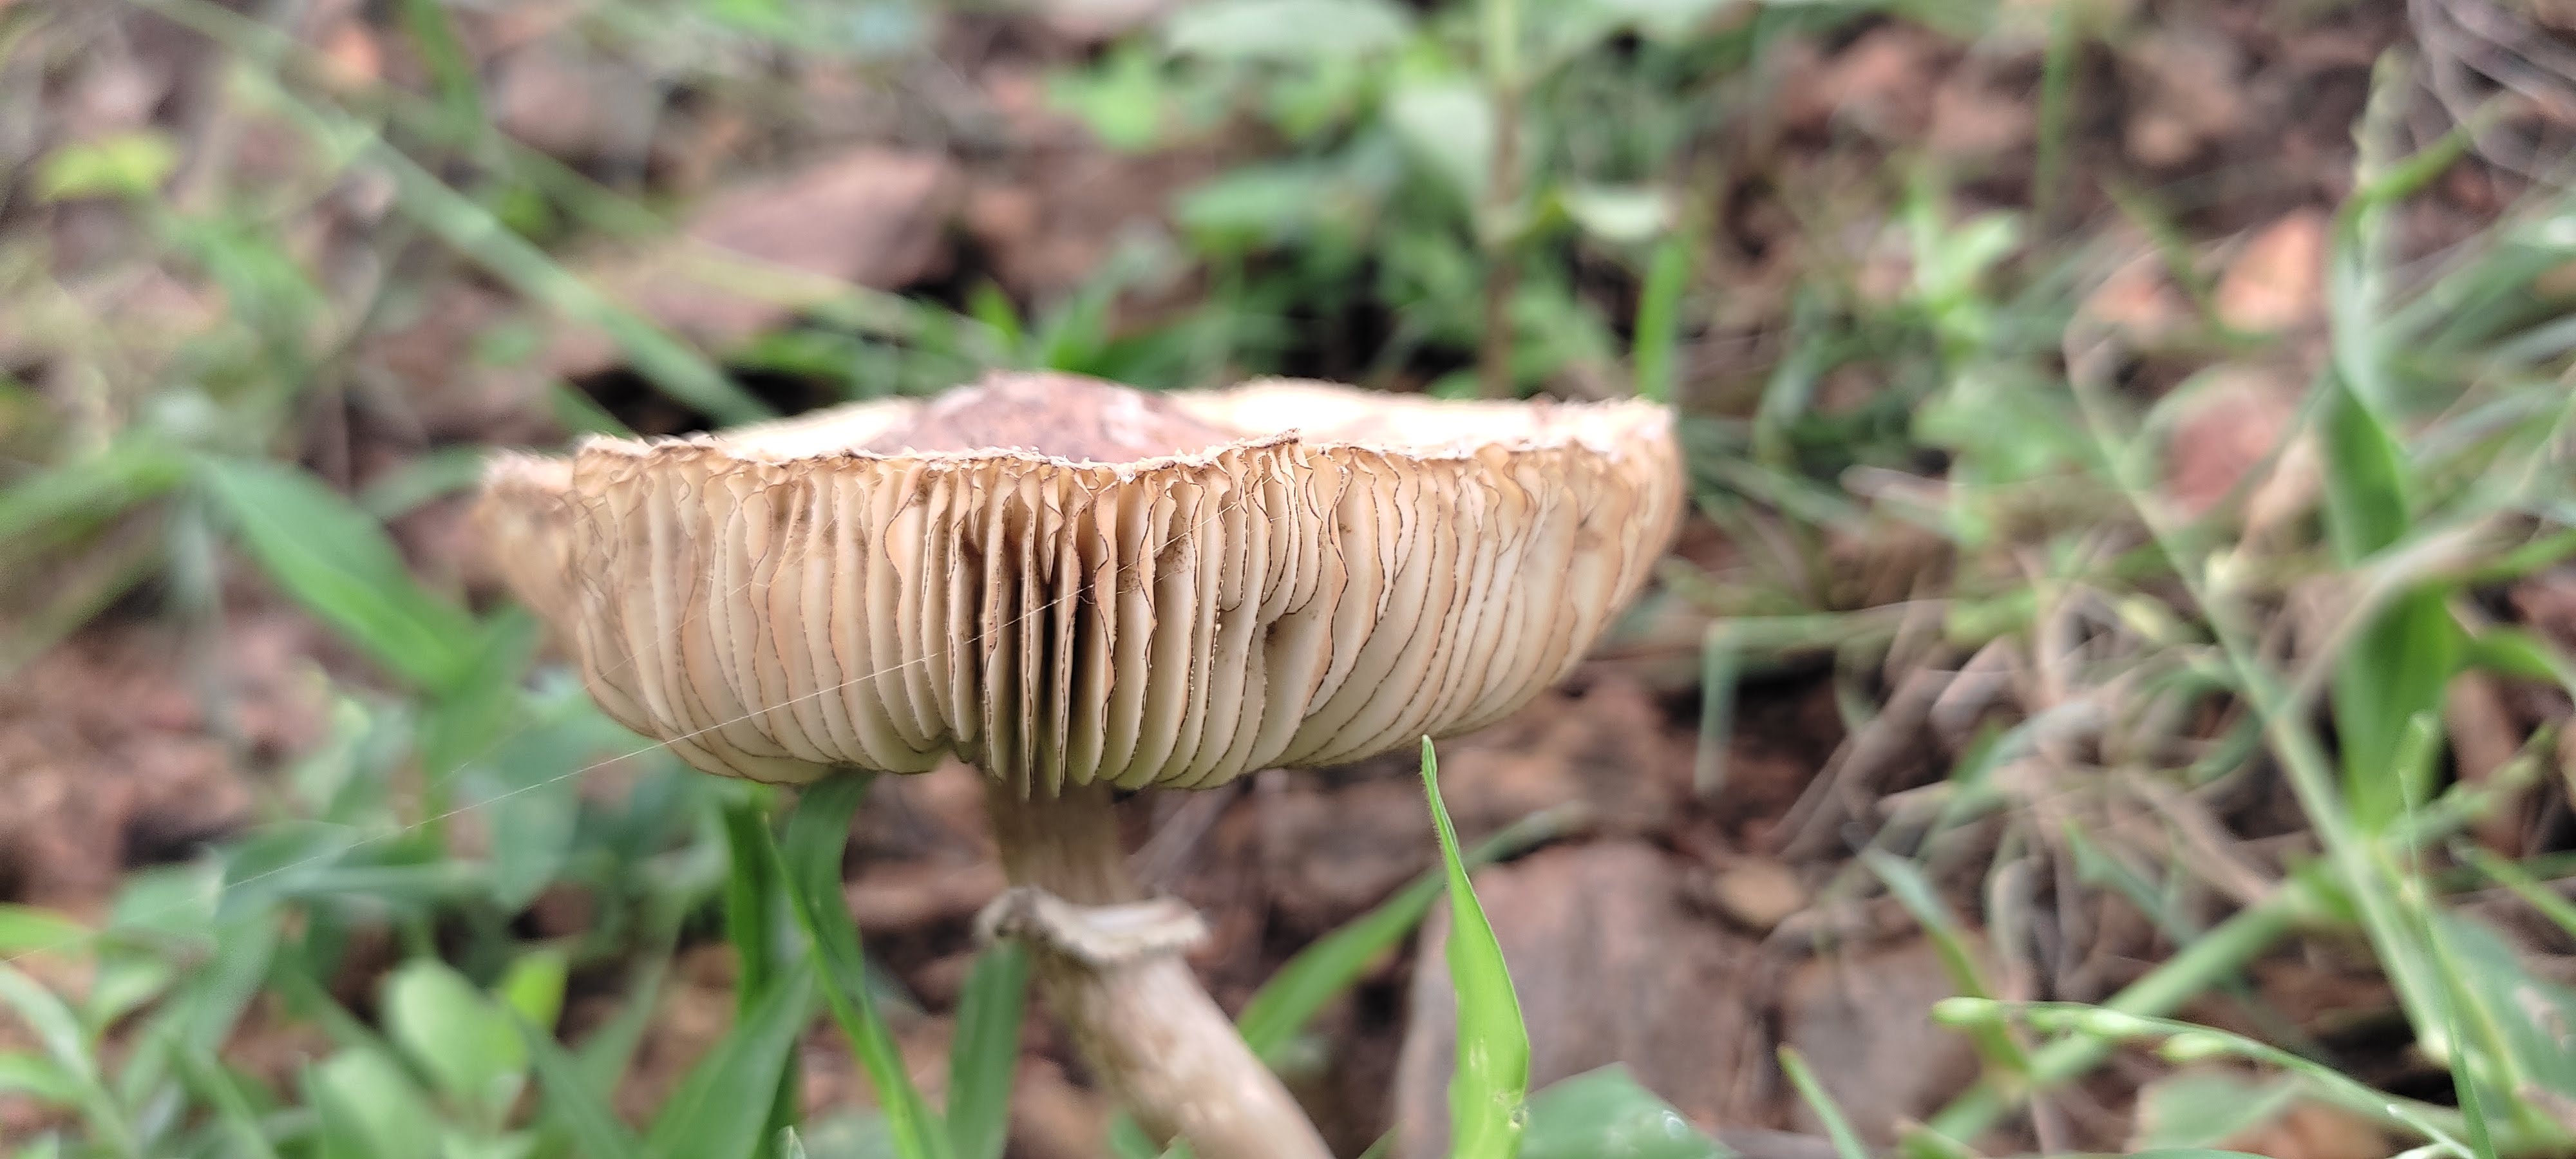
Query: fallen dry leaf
x,y
2185,92
1864,1022
2239,417
2278,281
572,105
872,217
1758,893
1604,953
2310,1130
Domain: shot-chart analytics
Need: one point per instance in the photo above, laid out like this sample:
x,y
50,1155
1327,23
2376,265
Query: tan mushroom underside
x,y
772,601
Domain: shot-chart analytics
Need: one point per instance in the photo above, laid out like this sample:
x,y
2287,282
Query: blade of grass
x,y
722,1109
433,37
2223,951
751,923
985,1055
58,1030
473,231
2530,889
810,863
1653,355
1489,1087
2190,1042
1906,883
1721,667
1837,1128
341,566
207,1077
1291,998
571,1101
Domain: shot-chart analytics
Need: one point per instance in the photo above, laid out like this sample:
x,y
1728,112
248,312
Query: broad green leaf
x,y
340,565
851,1134
26,929
369,1109
482,703
1662,19
605,1054
528,789
458,1035
517,1145
431,476
56,1028
1654,354
533,987
570,1101
1604,1114
89,490
72,1059
211,1082
1123,100
2199,1108
213,996
1289,30
2365,477
1259,205
1448,126
2520,654
2505,1003
39,1078
722,1108
984,1057
1492,1076
1619,214
817,833
2393,672
175,902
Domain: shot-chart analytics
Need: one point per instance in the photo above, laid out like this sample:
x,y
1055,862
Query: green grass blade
x,y
1320,972
810,862
1653,356
752,896
570,1102
2513,877
751,882
1487,1091
1837,1128
340,565
721,1111
233,1111
985,1056
472,230
26,929
89,490
1906,883
433,36
1604,1114
58,1030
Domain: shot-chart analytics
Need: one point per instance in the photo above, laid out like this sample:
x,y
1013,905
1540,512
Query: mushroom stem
x,y
1136,1012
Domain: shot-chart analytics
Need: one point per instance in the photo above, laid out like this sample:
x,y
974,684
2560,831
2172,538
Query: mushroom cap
x,y
1180,589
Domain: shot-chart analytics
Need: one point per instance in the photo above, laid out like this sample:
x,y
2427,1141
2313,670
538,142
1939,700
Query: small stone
x,y
1759,894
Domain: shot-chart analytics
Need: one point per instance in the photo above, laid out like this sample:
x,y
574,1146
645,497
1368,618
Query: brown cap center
x,y
1064,415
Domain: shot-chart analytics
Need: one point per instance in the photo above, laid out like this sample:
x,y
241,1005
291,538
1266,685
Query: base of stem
x,y
1108,963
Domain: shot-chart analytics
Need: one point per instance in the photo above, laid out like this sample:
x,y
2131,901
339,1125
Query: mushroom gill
x,y
1065,582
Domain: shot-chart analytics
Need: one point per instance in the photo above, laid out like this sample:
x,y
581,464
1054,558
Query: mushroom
x,y
1080,588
